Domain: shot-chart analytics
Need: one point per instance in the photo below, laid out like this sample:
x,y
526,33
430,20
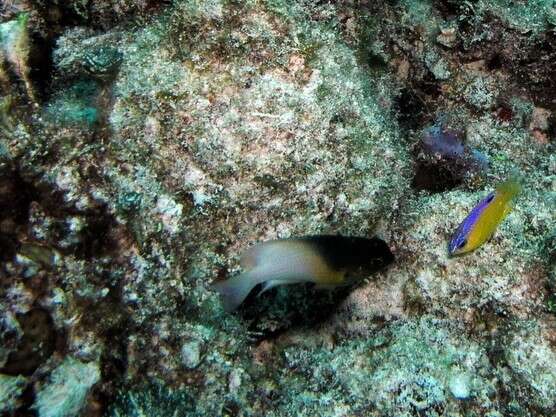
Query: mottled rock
x,y
533,360
459,385
191,354
65,394
447,36
11,388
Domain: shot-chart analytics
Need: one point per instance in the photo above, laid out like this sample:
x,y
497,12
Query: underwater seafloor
x,y
144,145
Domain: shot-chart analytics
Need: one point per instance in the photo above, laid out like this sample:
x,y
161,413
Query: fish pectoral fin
x,y
507,210
267,285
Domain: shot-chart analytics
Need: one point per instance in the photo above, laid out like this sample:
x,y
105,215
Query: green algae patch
x,y
153,400
530,16
76,106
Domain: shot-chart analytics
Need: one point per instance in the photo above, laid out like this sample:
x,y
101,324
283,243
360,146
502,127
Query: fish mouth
x,y
456,253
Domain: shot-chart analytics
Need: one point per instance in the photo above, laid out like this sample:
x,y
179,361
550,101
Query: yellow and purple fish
x,y
327,261
481,223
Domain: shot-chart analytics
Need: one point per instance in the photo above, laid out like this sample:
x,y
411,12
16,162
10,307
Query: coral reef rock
x,y
144,145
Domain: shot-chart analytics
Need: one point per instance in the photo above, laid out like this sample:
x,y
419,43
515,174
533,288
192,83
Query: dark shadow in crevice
x,y
449,9
435,177
35,347
42,65
410,109
551,132
114,359
287,307
429,86
16,196
495,61
26,401
96,239
15,199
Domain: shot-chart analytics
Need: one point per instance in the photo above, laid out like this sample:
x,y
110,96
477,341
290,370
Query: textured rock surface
x,y
11,388
64,395
145,145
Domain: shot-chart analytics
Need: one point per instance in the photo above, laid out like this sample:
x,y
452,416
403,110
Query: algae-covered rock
x,y
15,43
11,388
237,125
77,106
154,400
84,52
532,361
426,366
65,393
173,136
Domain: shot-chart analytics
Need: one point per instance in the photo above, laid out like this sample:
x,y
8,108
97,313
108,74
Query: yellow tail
x,y
509,188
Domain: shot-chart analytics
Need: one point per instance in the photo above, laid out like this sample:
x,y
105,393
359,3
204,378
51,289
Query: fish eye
x,y
462,243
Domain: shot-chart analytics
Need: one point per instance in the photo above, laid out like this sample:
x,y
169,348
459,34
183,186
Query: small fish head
x,y
457,245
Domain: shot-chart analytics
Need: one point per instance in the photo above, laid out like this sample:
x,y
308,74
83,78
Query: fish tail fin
x,y
235,290
511,187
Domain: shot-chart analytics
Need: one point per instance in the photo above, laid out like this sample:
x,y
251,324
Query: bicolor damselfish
x,y
327,261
